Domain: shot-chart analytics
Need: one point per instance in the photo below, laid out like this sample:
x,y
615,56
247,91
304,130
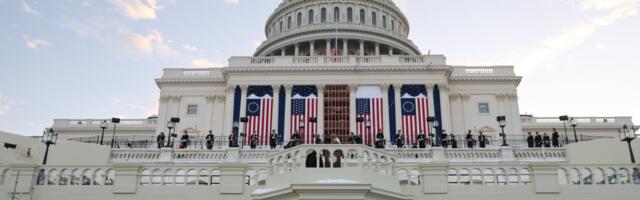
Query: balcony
x,y
592,122
95,123
333,61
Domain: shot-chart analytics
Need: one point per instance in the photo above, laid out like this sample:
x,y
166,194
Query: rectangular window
x,y
192,109
483,108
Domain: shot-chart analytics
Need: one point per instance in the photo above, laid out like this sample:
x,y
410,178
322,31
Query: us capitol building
x,y
330,69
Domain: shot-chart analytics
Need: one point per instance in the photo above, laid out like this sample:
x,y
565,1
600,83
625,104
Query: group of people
x,y
185,140
446,140
543,140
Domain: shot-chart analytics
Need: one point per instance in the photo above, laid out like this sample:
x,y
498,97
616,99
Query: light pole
x,y
243,133
628,136
502,122
113,137
234,135
564,119
574,123
171,125
367,126
431,121
301,126
103,126
49,137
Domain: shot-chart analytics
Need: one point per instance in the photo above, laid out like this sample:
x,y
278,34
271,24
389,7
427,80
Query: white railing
x,y
479,70
97,122
617,121
196,73
368,59
294,61
305,60
261,60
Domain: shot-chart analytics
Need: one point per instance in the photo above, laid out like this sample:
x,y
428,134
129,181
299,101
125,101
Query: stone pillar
x,y
345,47
396,90
175,110
352,107
432,108
276,103
126,178
385,111
312,48
243,111
361,48
228,111
328,49
232,178
390,51
283,51
320,123
445,109
297,49
434,178
544,177
163,115
377,49
287,113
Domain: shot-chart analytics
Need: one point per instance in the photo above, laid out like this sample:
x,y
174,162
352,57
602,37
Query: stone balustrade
x,y
333,61
95,123
531,121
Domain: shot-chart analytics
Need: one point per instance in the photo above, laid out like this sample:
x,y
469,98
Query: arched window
x,y
525,178
203,178
98,179
311,17
513,176
65,176
76,177
636,176
362,16
180,177
587,177
349,14
145,178
414,177
215,177
452,178
156,177
87,177
502,178
612,177
374,18
110,177
464,177
299,20
192,177
476,177
598,176
562,176
384,21
489,177
323,15
53,178
336,14
288,22
574,176
168,177
623,175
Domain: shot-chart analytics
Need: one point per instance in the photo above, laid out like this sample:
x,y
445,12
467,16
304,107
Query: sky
x,y
84,59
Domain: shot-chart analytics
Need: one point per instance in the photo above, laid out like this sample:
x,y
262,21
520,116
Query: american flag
x,y
369,108
259,113
334,47
304,105
414,112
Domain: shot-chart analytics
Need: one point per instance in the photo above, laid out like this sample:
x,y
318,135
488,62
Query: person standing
x,y
273,139
443,140
380,139
184,140
253,141
538,140
160,140
453,141
399,141
422,140
318,140
530,140
546,140
469,140
555,138
482,139
210,140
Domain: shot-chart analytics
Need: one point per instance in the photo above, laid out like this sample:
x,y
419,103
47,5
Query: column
x,y
445,105
516,123
320,123
283,52
211,100
352,107
243,108
312,48
163,115
228,111
377,49
396,89
431,100
390,51
276,103
297,49
218,120
175,107
345,49
385,111
328,49
361,48
287,113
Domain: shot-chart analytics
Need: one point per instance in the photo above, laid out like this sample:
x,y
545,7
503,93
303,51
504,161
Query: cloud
x,y
34,43
543,54
190,47
152,43
6,105
231,1
26,8
139,9
204,63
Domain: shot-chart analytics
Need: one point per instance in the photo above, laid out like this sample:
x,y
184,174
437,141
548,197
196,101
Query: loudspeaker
x,y
244,120
431,119
564,118
10,146
175,120
501,118
115,120
313,120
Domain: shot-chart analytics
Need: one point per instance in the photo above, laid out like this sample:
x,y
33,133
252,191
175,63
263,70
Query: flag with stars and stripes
x,y
334,47
369,109
259,114
304,106
415,110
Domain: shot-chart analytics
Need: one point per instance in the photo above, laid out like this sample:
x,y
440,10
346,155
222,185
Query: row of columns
x,y
352,109
345,48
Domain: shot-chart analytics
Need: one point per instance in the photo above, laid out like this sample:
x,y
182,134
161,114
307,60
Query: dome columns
x,y
344,46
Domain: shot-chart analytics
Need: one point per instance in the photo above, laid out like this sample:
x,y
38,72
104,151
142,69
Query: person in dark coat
x,y
469,140
380,140
453,141
210,139
399,141
530,140
555,138
327,139
231,141
444,139
538,140
253,141
482,139
318,139
160,140
422,140
184,140
273,139
546,140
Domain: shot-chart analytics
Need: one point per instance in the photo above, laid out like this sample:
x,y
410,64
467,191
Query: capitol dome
x,y
361,27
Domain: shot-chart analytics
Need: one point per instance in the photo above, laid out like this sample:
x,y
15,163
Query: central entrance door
x,y
336,111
